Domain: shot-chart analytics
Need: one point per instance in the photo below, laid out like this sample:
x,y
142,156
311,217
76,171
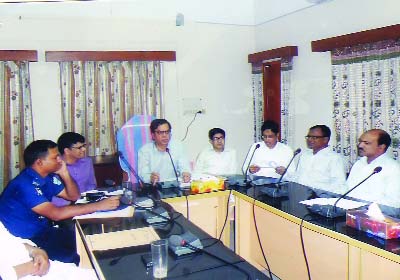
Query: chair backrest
x,y
130,138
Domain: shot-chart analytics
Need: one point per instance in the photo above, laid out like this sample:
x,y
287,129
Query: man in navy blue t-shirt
x,y
25,204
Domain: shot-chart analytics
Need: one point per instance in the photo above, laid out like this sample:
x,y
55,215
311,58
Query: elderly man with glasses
x,y
162,159
268,157
319,167
72,148
216,159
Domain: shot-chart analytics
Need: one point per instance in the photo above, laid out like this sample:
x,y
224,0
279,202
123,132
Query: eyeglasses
x,y
79,147
311,137
218,138
163,132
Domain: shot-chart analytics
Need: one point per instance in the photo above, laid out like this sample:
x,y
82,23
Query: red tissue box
x,y
389,228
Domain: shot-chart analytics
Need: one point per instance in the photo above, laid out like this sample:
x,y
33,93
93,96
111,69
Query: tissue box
x,y
207,185
388,228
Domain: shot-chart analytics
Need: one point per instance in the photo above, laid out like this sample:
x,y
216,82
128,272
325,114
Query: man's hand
x,y
280,170
63,171
186,177
254,169
109,203
154,178
40,260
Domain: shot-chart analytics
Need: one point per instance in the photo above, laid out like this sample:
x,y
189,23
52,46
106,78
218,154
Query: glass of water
x,y
159,257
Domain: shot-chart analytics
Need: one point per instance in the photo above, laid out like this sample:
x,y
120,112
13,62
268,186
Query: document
x,y
343,203
122,211
122,239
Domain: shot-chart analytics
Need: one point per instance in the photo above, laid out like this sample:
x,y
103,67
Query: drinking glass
x,y
159,256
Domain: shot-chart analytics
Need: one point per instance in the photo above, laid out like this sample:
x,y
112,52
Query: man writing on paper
x,y
319,167
154,159
271,158
216,160
383,187
25,204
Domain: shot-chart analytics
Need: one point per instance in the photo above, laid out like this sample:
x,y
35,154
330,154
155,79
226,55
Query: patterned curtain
x,y
99,97
258,100
16,126
287,108
366,94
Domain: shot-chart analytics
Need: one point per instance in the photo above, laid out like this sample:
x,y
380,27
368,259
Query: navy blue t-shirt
x,y
24,192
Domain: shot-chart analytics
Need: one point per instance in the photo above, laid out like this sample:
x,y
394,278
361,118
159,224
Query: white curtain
x,y
16,125
366,94
99,97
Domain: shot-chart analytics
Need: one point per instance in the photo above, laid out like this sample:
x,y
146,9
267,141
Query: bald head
x,y
373,143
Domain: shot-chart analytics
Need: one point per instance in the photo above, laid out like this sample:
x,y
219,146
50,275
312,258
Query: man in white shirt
x,y
216,160
20,259
155,158
319,167
383,187
271,157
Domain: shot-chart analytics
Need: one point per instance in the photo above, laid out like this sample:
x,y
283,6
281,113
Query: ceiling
x,y
234,12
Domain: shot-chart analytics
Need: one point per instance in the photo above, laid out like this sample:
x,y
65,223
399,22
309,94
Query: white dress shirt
x,y
150,159
212,162
268,159
324,170
13,252
383,187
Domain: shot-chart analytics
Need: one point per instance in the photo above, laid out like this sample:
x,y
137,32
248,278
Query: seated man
x,y
319,167
154,162
216,160
383,187
72,148
271,158
20,259
25,204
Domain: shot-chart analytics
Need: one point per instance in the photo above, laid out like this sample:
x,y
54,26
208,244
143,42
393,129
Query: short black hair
x,y
67,139
270,124
37,149
214,131
326,131
384,138
157,122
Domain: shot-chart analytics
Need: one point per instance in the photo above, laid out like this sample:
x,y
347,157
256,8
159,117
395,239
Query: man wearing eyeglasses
x,y
216,160
25,204
72,148
271,158
319,167
158,159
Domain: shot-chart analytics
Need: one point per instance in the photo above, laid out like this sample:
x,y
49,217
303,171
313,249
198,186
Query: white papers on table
x,y
122,239
124,212
343,203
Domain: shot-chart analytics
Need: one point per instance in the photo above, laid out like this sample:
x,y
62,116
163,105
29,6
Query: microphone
x,y
277,191
248,165
173,165
181,244
295,153
125,161
330,211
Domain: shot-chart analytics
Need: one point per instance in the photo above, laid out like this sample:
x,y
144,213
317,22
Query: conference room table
x,y
265,229
215,261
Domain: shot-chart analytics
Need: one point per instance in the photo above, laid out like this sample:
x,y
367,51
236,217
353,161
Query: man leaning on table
x,y
25,204
271,158
383,187
156,160
319,167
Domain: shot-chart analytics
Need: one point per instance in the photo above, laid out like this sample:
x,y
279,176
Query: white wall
x,y
211,63
312,74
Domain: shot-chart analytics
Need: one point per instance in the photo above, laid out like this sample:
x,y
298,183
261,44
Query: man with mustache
x,y
383,187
